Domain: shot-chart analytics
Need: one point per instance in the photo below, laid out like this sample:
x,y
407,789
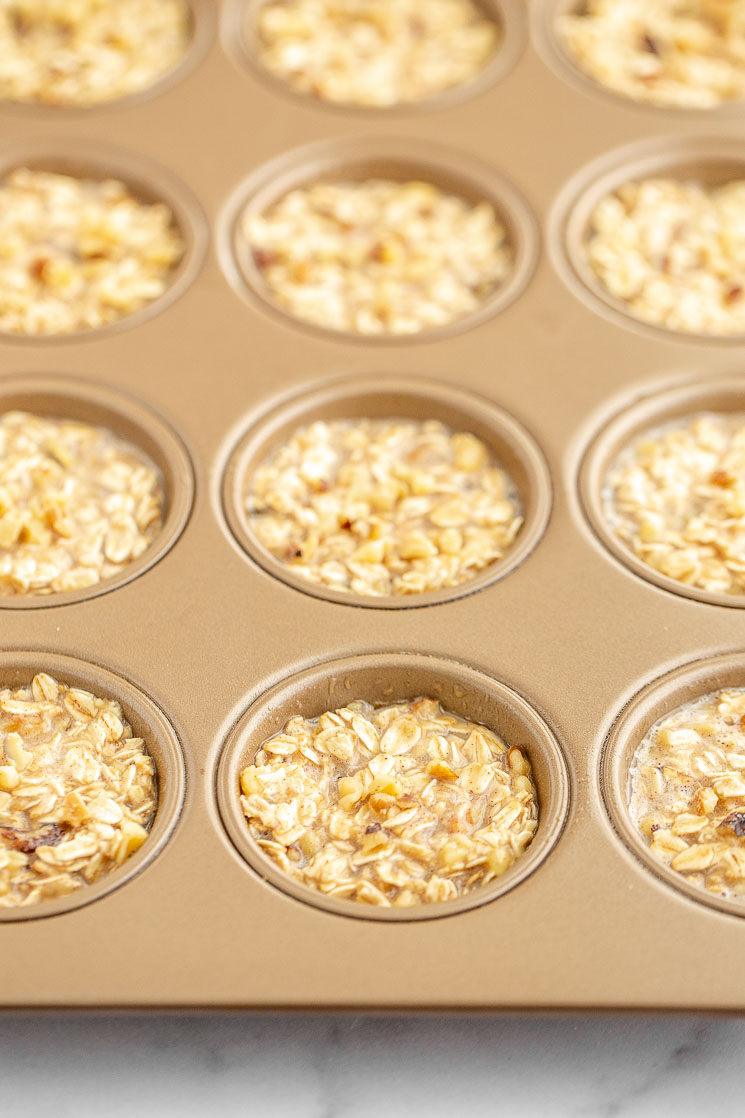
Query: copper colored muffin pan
x,y
567,646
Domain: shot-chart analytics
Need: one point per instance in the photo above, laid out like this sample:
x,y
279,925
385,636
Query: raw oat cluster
x,y
688,792
83,52
374,52
676,498
383,507
76,504
687,54
379,256
77,790
79,253
398,805
674,253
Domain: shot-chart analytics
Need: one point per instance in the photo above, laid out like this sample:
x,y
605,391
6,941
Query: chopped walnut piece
x,y
383,507
375,52
379,256
84,794
77,253
687,54
83,52
676,498
687,792
77,504
397,805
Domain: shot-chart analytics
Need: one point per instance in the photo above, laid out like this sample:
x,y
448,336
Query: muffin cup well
x,y
382,678
17,669
63,397
354,161
393,397
720,395
683,685
711,161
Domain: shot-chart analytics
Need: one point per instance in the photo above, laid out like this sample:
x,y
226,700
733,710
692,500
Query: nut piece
x,y
676,498
673,252
424,807
82,52
77,505
78,254
688,54
81,801
374,52
378,256
687,792
370,506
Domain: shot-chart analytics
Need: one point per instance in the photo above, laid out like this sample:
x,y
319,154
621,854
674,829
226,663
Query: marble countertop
x,y
274,1066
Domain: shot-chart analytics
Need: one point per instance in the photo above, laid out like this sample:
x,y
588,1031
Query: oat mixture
x,y
383,506
687,54
375,52
76,254
687,791
397,805
674,252
676,498
379,257
76,504
83,52
77,790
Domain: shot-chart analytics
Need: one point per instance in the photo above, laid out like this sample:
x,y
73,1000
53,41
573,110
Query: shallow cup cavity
x,y
684,685
398,160
148,721
681,402
380,679
149,183
241,43
710,161
202,21
550,44
392,397
61,397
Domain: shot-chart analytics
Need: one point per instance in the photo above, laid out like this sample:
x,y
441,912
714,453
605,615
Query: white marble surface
x,y
273,1066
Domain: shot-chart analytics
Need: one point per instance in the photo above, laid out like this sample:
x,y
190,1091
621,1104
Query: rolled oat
x,y
375,52
378,256
397,805
77,505
77,790
381,507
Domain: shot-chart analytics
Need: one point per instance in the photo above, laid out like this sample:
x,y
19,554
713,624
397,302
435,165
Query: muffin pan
x,y
565,646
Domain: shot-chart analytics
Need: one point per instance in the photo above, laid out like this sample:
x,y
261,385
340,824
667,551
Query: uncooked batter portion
x,y
399,805
78,254
376,53
383,506
685,54
676,499
77,790
85,52
379,256
77,504
687,792
674,252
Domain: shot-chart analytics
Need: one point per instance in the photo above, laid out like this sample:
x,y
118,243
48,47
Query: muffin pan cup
x,y
380,680
17,669
209,632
